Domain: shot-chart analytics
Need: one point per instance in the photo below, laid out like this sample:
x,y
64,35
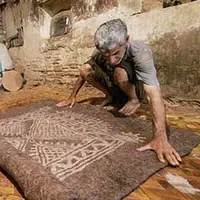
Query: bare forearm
x,y
159,117
79,83
158,110
159,142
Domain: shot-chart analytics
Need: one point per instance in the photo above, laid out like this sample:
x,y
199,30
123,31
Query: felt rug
x,y
79,153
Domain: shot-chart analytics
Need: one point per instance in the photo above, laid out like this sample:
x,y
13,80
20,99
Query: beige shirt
x,y
5,58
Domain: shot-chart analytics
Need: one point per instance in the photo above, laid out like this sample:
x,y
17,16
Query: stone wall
x,y
172,32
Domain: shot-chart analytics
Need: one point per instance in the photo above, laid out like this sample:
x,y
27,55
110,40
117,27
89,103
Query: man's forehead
x,y
111,51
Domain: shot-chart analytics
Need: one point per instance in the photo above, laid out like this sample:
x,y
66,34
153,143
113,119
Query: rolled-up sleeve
x,y
145,67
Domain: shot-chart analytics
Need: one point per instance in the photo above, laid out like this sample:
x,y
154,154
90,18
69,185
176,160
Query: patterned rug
x,y
79,153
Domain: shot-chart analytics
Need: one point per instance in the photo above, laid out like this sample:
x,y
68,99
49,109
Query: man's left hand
x,y
164,151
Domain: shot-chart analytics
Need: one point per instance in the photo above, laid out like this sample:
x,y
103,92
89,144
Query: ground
x,y
181,113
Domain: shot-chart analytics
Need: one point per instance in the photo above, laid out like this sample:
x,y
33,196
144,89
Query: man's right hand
x,y
69,102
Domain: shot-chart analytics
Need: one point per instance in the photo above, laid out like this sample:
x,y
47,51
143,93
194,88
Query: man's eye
x,y
116,53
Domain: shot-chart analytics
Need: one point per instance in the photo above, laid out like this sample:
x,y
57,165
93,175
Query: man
x,y
117,68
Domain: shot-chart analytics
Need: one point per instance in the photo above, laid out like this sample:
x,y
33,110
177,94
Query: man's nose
x,y
111,59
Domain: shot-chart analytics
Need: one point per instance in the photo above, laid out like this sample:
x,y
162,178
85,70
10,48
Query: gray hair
x,y
110,34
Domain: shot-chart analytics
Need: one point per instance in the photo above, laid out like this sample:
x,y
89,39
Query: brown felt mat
x,y
79,153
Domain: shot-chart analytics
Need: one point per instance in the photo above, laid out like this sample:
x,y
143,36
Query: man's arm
x,y
159,143
79,83
146,72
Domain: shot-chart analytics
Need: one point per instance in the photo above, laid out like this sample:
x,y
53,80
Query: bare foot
x,y
130,107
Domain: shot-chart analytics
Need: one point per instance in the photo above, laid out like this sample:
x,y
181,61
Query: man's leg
x,y
140,92
96,80
121,79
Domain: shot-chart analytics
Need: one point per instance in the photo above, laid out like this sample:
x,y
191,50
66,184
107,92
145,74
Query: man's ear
x,y
96,43
127,38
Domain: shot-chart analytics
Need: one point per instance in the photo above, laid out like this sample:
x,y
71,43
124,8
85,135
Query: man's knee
x,y
120,76
85,70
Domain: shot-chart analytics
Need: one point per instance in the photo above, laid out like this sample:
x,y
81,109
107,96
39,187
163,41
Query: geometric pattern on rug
x,y
84,140
83,153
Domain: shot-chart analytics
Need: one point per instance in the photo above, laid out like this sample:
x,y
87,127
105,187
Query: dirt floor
x,y
180,113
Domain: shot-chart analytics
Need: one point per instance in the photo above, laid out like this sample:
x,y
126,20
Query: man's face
x,y
114,56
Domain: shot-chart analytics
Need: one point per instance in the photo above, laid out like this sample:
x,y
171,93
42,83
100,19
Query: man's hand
x,y
130,107
69,102
164,151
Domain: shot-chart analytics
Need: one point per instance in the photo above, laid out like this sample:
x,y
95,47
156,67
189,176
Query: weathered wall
x,y
83,9
172,32
24,15
148,5
129,7
178,63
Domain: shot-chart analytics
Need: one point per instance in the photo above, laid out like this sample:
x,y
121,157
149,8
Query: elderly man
x,y
124,70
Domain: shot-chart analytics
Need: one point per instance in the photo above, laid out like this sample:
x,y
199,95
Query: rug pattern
x,y
83,153
65,141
